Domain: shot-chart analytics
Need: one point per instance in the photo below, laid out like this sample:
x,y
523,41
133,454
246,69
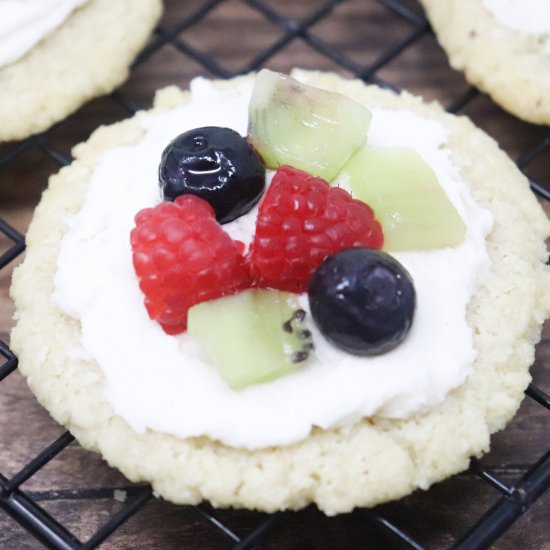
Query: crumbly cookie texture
x,y
374,461
87,56
512,67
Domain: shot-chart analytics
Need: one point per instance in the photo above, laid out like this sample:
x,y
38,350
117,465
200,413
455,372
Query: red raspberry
x,y
301,221
182,257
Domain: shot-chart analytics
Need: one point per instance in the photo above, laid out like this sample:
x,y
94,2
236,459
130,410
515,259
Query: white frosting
x,y
527,16
165,383
23,23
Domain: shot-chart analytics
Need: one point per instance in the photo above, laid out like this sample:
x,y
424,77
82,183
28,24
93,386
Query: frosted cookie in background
x,y
503,48
57,54
153,404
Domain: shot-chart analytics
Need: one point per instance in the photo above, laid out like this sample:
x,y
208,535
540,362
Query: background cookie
x,y
88,55
511,66
378,459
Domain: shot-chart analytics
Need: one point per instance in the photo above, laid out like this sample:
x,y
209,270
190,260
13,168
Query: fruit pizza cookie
x,y
339,307
57,54
503,47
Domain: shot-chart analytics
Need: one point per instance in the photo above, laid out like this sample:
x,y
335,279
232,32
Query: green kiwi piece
x,y
305,127
252,337
406,197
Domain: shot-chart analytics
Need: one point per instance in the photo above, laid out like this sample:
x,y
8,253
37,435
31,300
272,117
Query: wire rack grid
x,y
291,24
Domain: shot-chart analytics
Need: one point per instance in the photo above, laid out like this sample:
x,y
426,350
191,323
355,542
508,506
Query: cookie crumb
x,y
120,495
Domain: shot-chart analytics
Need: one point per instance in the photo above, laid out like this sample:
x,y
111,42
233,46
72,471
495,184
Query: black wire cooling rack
x,y
516,497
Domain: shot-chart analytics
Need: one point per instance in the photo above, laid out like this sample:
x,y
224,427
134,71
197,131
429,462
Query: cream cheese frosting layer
x,y
528,16
165,383
24,23
531,17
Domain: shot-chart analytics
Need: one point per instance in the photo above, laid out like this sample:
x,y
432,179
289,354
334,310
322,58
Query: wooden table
x,y
77,487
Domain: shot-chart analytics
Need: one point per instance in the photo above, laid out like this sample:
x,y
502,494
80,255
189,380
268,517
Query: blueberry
x,y
216,164
362,300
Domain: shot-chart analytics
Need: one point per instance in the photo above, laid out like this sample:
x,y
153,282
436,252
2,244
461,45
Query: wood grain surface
x,y
77,487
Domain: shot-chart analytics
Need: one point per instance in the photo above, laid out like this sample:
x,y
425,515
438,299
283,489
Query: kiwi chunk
x,y
406,197
252,337
305,127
